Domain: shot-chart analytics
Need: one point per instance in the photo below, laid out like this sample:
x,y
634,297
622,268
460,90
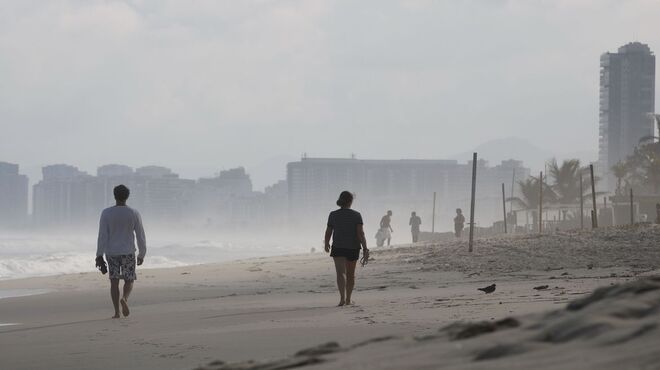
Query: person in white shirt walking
x,y
119,228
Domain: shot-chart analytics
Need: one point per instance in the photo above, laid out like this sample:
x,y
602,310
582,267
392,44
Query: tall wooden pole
x,y
474,190
541,202
632,211
581,202
433,222
593,195
504,207
513,185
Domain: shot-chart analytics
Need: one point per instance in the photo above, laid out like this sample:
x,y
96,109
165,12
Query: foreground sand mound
x,y
616,327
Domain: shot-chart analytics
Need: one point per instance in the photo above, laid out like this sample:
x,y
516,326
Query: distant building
x,y
400,185
114,170
61,172
164,198
66,196
153,171
627,100
13,196
157,192
232,182
226,200
275,203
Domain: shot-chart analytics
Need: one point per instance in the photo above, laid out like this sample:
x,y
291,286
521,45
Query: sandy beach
x,y
268,309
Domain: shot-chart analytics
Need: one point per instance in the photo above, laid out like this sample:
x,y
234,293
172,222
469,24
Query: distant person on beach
x,y
459,222
119,227
385,231
414,223
346,229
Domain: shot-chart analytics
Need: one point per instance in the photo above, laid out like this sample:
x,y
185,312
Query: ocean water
x,y
58,253
10,293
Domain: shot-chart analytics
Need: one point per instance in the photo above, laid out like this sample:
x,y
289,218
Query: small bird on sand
x,y
488,289
541,287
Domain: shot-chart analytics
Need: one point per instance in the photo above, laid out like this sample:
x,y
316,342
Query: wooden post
x,y
541,202
504,207
592,218
433,222
593,195
513,185
474,190
632,211
581,202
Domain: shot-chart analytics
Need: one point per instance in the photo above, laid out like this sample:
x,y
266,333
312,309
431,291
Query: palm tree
x,y
566,180
620,171
529,191
651,166
529,196
586,184
644,166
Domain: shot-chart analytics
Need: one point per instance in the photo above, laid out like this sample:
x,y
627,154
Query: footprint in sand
x,y
366,319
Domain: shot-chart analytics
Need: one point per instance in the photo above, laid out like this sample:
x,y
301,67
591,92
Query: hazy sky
x,y
205,85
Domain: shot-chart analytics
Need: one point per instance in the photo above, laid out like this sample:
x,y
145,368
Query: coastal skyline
x,y
415,80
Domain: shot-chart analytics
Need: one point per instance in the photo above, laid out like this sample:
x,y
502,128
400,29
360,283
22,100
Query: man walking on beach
x,y
120,225
414,223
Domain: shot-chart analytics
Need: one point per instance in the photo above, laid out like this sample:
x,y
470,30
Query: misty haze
x,y
327,184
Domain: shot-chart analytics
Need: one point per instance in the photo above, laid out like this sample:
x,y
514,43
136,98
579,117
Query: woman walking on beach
x,y
346,229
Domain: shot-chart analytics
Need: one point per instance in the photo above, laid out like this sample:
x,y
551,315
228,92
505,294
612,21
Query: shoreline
x,y
17,293
176,264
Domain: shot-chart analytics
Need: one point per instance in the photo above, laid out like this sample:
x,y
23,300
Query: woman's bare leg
x,y
340,267
350,279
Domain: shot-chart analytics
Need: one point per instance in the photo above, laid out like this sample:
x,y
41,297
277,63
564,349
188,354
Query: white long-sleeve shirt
x,y
118,229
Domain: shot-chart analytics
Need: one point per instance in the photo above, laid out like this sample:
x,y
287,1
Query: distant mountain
x,y
534,157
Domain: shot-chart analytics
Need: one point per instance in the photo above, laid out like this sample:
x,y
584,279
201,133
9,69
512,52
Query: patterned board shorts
x,y
122,267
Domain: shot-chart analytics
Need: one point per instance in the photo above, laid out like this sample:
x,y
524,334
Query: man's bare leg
x,y
350,279
114,294
340,268
128,288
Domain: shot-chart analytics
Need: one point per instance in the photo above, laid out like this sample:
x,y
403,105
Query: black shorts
x,y
350,254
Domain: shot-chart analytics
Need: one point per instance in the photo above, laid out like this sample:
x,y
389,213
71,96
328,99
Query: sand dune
x,y
630,246
615,327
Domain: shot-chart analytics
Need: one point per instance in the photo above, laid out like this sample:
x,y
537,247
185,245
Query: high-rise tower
x,y
13,196
627,101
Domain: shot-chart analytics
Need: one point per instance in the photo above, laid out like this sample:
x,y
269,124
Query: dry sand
x,y
269,309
